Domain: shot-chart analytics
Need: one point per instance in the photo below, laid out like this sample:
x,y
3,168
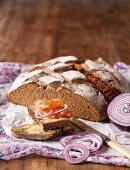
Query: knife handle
x,y
119,148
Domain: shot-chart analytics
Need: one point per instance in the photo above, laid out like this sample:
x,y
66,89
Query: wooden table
x,y
32,31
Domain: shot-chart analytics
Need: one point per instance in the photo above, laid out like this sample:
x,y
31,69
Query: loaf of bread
x,y
86,87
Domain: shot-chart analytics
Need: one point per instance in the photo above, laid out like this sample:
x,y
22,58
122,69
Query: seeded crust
x,y
81,107
35,132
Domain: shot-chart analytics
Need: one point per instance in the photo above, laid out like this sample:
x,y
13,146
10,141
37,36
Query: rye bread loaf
x,y
35,132
85,87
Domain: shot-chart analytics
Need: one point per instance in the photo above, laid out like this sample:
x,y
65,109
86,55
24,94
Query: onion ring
x,y
92,141
38,115
122,135
119,110
74,158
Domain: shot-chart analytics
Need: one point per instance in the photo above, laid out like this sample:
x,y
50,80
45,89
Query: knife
x,y
117,147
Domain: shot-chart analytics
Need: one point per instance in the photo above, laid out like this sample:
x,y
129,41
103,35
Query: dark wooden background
x,y
32,31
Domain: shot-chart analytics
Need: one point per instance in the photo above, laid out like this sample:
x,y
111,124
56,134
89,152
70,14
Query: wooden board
x,y
32,31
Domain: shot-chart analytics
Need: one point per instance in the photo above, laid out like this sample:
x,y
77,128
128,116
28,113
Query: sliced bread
x,y
35,132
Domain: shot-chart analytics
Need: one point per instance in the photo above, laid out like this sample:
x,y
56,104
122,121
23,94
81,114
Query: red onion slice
x,y
74,158
92,141
59,111
119,110
122,138
38,114
67,140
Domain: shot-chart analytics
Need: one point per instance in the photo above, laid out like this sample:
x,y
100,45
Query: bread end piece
x,y
35,132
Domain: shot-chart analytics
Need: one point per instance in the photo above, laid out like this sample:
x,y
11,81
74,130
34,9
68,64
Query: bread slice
x,y
86,88
52,124
35,132
49,124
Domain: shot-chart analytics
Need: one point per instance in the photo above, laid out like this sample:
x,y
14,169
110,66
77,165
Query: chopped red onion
x,y
119,110
75,153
